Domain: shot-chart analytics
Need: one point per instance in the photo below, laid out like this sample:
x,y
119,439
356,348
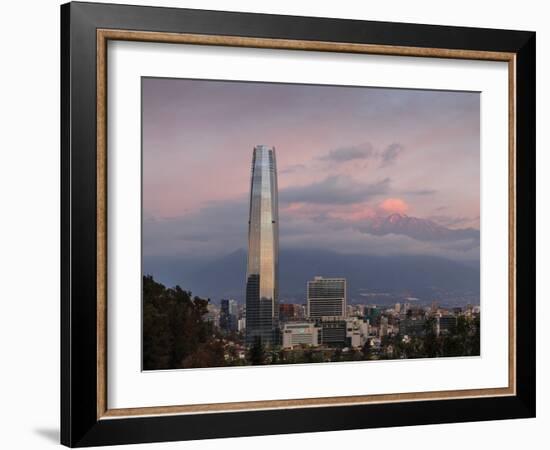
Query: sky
x,y
346,156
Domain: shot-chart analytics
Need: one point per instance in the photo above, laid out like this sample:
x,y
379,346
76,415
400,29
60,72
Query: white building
x,y
300,333
357,332
241,324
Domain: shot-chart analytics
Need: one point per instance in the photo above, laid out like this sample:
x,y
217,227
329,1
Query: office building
x,y
228,315
287,311
412,326
326,297
333,331
372,314
262,309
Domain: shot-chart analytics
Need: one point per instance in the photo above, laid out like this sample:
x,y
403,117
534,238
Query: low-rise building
x,y
300,333
357,332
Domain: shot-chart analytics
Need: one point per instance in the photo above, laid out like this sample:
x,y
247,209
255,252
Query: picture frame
x,y
86,418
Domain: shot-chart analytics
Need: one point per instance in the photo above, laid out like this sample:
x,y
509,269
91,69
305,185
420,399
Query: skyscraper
x,y
228,315
262,274
326,297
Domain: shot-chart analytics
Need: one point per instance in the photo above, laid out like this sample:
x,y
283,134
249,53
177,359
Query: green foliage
x,y
174,333
462,340
432,345
256,354
367,350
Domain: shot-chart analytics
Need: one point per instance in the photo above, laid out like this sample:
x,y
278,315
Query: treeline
x,y
175,334
463,339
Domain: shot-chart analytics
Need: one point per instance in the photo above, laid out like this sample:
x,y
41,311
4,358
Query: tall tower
x,y
262,274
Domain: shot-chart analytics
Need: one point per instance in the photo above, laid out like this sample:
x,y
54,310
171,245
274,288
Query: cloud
x,y
350,153
454,221
394,205
221,227
386,157
389,155
292,169
334,190
194,237
420,192
214,229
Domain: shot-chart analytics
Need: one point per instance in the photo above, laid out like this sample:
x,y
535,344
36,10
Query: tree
x,y
463,339
175,335
256,354
431,343
476,338
209,354
367,350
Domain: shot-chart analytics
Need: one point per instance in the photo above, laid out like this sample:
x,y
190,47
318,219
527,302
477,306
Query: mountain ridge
x,y
416,228
421,275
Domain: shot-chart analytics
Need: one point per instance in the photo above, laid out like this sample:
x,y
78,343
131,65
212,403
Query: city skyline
x,y
349,158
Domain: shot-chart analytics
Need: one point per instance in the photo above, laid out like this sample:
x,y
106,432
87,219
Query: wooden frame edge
x,y
290,44
512,199
103,35
304,403
101,223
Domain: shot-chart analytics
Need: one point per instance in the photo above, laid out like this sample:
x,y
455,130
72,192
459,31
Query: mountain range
x,y
418,275
413,275
416,228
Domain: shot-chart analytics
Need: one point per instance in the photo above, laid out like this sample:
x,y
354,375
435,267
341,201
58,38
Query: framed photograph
x,y
277,224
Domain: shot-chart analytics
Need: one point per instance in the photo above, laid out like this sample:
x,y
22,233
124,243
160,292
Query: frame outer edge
x,y
79,428
65,389
526,224
79,254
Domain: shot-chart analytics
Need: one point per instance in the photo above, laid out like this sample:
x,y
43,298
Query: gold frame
x,y
104,35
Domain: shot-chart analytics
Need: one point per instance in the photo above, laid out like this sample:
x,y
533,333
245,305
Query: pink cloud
x,y
393,205
355,213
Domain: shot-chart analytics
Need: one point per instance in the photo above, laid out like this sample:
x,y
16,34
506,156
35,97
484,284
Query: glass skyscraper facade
x,y
262,275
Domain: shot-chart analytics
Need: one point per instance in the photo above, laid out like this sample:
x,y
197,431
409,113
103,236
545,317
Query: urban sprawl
x,y
326,328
